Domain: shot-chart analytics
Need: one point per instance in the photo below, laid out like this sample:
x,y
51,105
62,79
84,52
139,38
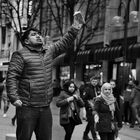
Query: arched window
x,y
121,9
126,7
134,5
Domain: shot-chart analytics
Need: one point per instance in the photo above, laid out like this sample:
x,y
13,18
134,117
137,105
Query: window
x,y
126,7
91,70
134,5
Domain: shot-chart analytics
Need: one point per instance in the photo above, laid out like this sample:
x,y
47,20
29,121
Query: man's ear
x,y
26,41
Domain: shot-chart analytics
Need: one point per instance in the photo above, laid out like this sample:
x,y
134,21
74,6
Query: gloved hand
x,y
78,20
69,99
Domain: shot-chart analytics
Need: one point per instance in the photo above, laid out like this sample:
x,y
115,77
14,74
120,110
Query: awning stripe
x,y
84,56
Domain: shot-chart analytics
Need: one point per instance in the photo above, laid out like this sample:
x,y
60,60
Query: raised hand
x,y
78,20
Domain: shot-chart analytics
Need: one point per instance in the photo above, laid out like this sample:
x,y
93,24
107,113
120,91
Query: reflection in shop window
x,y
92,70
64,73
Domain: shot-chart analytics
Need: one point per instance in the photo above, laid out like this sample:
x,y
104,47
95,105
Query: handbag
x,y
76,118
114,128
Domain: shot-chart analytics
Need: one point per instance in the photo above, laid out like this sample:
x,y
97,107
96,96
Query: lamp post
x,y
118,20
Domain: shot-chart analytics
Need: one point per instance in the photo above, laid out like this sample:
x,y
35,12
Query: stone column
x,y
107,34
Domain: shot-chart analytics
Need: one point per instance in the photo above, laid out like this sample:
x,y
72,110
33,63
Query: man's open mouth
x,y
39,40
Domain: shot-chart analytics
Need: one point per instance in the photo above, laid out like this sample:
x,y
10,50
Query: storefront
x,y
117,68
64,74
122,72
92,70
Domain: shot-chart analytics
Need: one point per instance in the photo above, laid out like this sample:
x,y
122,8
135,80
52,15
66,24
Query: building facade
x,y
112,53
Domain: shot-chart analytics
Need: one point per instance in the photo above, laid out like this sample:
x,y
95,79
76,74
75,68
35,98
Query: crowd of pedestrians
x,y
100,106
106,108
131,96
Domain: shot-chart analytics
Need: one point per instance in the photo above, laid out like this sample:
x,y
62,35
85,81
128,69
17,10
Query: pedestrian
x,y
70,103
127,103
29,81
82,92
1,91
56,87
135,103
5,99
116,92
91,91
107,114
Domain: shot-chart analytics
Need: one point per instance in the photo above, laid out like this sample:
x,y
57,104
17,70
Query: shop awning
x,y
84,56
115,50
108,53
134,51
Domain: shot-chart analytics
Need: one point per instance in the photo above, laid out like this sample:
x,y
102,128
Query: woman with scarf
x,y
107,114
70,103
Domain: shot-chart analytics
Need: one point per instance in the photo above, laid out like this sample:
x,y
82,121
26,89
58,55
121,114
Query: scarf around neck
x,y
110,100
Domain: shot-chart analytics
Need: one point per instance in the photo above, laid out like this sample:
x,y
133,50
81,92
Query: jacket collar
x,y
41,49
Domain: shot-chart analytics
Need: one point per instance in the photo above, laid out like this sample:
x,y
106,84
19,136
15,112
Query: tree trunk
x,y
72,62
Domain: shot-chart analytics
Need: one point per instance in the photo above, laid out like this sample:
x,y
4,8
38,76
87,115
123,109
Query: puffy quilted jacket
x,y
29,76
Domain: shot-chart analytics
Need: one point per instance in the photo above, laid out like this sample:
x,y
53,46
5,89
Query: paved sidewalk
x,y
58,133
5,123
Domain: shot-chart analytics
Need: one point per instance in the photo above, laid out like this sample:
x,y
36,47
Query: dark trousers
x,y
69,128
90,127
37,120
135,113
127,112
107,135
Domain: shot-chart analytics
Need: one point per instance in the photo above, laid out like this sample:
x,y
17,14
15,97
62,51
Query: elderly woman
x,y
107,117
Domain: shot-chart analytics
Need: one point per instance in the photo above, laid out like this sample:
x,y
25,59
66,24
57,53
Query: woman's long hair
x,y
67,84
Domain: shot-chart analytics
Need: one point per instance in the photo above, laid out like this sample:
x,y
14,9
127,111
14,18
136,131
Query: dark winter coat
x,y
135,96
89,94
105,116
65,106
29,76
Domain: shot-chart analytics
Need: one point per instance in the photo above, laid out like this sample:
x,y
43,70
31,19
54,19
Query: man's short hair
x,y
27,32
94,78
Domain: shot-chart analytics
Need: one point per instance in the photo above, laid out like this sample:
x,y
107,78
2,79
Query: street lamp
x,y
119,21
